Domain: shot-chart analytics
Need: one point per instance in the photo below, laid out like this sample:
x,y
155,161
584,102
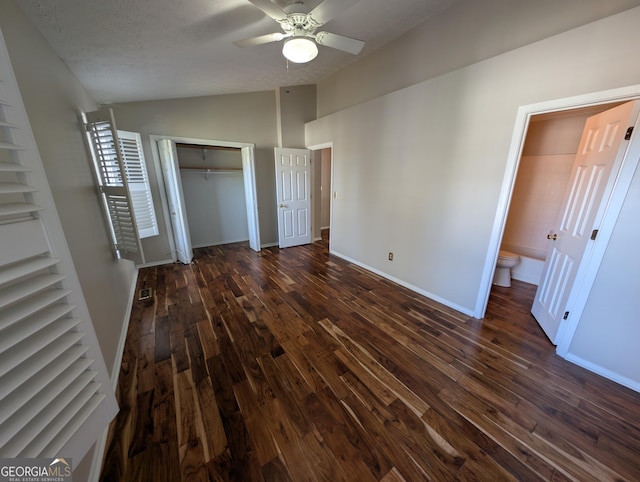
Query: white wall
x,y
213,188
418,171
468,32
606,339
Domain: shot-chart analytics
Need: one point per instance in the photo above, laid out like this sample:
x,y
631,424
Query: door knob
x,y
552,236
281,206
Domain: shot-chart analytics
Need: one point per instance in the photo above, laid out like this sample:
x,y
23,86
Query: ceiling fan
x,y
299,30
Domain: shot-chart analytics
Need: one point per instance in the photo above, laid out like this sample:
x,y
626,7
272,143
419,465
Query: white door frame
x,y
248,172
580,290
314,148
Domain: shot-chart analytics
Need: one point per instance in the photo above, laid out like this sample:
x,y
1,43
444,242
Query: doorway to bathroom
x,y
544,144
322,181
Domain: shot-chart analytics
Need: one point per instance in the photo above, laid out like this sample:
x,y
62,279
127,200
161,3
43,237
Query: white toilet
x,y
506,261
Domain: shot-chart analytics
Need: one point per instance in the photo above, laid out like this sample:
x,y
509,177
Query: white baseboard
x,y
269,245
605,372
98,455
115,370
101,443
219,243
429,295
157,263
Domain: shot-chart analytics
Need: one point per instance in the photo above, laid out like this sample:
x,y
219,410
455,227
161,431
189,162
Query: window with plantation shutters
x,y
138,181
113,183
55,394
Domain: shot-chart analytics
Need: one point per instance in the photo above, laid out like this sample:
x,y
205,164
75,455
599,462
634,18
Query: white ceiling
x,y
130,50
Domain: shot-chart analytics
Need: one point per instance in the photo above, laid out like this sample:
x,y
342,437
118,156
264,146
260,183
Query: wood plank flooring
x,y
294,365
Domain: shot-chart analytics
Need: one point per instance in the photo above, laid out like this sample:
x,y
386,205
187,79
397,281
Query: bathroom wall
x,y
213,188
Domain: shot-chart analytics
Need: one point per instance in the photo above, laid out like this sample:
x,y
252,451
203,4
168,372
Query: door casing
x,y
248,172
579,290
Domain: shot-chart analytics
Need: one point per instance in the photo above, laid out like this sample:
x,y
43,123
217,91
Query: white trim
x,y
117,362
220,243
580,290
101,443
578,298
579,293
98,456
157,263
318,147
429,295
616,377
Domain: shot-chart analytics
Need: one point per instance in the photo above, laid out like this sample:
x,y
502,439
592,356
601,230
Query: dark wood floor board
x,y
296,365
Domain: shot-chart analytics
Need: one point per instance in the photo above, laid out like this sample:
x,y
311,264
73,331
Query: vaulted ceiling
x,y
130,50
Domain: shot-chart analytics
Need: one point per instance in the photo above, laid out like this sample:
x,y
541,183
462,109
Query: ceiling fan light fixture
x,y
300,50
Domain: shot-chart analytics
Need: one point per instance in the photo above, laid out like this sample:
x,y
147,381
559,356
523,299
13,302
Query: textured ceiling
x,y
129,50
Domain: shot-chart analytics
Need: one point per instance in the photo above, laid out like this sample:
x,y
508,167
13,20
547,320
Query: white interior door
x,y
600,153
293,195
173,186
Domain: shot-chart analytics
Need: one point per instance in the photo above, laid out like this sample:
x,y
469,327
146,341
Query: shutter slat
x,y
19,331
10,167
64,412
19,365
20,311
73,425
11,147
24,289
15,188
42,429
26,268
71,382
66,367
12,209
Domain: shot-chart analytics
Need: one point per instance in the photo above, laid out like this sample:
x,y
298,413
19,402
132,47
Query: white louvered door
x,y
138,183
55,395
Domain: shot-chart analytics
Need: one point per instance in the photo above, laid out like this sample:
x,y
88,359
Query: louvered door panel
x,y
55,396
138,183
113,184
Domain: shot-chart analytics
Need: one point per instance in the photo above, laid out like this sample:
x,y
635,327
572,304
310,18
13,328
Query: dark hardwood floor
x,y
294,365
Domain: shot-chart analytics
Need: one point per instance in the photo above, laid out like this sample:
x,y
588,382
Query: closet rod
x,y
200,146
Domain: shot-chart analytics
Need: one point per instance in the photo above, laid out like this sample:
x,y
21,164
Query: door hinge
x,y
566,315
627,136
594,234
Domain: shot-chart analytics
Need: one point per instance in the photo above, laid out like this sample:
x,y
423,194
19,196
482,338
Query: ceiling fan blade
x,y
271,9
340,42
262,39
330,9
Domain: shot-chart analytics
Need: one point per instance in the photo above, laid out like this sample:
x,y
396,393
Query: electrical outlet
x,y
390,256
